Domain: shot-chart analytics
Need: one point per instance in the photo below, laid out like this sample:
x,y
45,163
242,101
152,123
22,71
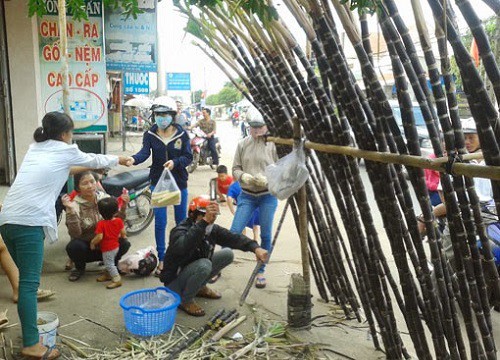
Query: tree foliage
x,y
196,96
228,95
265,11
363,6
78,8
490,27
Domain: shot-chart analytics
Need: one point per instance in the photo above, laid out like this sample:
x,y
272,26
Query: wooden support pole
x,y
63,46
302,200
458,168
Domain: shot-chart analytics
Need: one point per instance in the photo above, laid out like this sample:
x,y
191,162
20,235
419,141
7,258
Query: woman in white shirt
x,y
28,213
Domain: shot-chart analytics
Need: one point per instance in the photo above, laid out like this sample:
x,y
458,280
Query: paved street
x,y
90,299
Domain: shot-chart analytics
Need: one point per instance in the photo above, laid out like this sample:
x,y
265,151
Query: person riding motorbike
x,y
209,127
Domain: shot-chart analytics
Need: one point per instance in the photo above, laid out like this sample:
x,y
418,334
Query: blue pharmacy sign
x,y
136,83
179,81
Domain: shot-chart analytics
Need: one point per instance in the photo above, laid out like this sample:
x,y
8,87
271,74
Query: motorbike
x,y
201,151
492,224
235,121
139,213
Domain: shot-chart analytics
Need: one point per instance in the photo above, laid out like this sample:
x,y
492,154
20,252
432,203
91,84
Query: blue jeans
x,y
25,245
247,204
180,212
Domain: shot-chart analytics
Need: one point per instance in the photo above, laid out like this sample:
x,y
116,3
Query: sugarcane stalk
x,y
485,52
233,324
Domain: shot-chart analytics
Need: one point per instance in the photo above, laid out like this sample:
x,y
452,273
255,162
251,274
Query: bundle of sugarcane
x,y
261,50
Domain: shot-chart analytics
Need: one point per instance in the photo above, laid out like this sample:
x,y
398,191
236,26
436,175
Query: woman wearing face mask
x,y
252,157
170,146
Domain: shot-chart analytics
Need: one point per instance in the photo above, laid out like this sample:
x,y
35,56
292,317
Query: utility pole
x,y
161,75
63,35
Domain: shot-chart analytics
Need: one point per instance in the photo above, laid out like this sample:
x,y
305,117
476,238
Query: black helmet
x,y
162,109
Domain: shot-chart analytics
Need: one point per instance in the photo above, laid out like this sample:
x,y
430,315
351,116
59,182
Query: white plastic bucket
x,y
48,330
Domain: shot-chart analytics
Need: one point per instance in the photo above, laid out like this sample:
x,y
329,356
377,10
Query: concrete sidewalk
x,y
90,299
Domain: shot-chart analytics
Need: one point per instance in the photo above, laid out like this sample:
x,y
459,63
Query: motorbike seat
x,y
128,180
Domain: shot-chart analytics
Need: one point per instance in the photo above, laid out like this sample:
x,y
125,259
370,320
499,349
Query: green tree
x,y
213,99
490,27
78,8
228,95
196,96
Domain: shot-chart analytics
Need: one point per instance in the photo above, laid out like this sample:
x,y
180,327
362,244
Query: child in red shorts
x,y
108,232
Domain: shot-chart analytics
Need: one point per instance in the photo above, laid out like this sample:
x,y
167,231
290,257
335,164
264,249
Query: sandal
x,y
260,282
43,294
50,354
192,308
215,278
75,275
159,269
69,265
207,293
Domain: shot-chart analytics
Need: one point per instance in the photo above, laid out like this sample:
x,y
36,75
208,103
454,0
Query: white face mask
x,y
163,121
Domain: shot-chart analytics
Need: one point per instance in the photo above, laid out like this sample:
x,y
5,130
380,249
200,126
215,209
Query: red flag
x,y
474,52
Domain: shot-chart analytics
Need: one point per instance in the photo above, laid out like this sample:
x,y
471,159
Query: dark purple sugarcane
x,y
494,5
483,44
482,109
316,48
408,122
447,188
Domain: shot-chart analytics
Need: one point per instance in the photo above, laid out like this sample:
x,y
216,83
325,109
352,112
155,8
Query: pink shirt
x,y
431,177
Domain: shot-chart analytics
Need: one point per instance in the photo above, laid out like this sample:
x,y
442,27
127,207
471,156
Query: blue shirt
x,y
234,191
177,149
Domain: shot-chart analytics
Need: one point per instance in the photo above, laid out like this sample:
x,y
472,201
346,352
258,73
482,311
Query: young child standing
x,y
223,182
108,232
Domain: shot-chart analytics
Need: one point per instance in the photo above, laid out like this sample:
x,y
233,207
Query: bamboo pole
x,y
303,225
458,168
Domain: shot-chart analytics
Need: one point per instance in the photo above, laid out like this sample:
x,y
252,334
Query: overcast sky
x,y
179,55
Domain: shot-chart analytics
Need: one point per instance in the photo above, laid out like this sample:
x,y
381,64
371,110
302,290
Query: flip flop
x,y
207,293
69,265
158,272
192,309
215,278
43,294
260,283
50,354
75,275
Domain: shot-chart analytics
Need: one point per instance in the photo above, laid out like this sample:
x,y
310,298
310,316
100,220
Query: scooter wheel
x,y
194,164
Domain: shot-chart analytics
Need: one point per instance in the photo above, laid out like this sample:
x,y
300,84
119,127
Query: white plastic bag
x,y
166,191
143,262
288,174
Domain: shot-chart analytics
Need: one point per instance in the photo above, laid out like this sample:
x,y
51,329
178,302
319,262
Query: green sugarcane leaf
x,y
194,29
